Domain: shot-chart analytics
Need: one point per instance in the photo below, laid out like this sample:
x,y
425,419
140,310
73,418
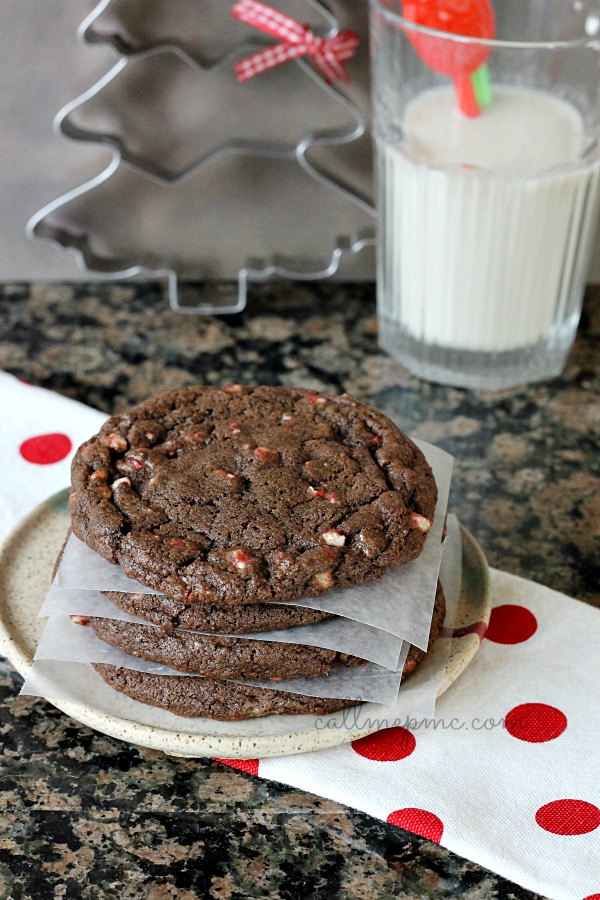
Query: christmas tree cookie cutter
x,y
278,265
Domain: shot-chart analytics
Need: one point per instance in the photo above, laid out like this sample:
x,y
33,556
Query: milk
x,y
486,233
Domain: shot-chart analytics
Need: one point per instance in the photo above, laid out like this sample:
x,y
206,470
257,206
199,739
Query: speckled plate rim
x,y
27,559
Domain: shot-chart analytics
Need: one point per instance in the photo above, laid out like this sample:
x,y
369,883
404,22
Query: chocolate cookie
x,y
171,614
218,657
239,495
189,696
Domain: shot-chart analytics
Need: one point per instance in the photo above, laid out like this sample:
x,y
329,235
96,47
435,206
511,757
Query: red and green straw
x,y
463,62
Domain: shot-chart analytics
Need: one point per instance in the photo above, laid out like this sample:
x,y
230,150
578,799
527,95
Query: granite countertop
x,y
89,816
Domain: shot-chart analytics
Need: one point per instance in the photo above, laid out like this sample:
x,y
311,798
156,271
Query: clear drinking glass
x,y
486,216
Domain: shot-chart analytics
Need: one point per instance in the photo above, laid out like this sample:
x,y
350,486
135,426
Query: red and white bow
x,y
327,54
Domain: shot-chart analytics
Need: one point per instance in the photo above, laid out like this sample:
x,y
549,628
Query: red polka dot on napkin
x,y
244,765
419,821
387,745
592,897
568,817
511,624
44,449
535,722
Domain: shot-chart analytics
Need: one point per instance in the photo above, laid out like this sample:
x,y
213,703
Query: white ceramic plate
x,y
27,561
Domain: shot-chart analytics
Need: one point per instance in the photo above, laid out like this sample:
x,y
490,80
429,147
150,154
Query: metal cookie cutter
x,y
152,164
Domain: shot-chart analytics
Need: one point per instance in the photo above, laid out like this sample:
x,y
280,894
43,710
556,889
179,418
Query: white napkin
x,y
39,432
507,773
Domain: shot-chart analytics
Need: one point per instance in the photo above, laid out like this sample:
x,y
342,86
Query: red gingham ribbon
x,y
327,54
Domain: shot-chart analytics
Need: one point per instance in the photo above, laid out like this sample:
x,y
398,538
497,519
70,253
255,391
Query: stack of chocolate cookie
x,y
230,503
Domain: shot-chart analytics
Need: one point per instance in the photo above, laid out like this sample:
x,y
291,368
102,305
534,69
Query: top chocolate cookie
x,y
241,495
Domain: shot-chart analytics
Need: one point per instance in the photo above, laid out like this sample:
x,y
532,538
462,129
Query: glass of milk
x,y
486,221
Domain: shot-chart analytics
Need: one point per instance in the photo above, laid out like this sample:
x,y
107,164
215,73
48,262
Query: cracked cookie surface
x,y
240,495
